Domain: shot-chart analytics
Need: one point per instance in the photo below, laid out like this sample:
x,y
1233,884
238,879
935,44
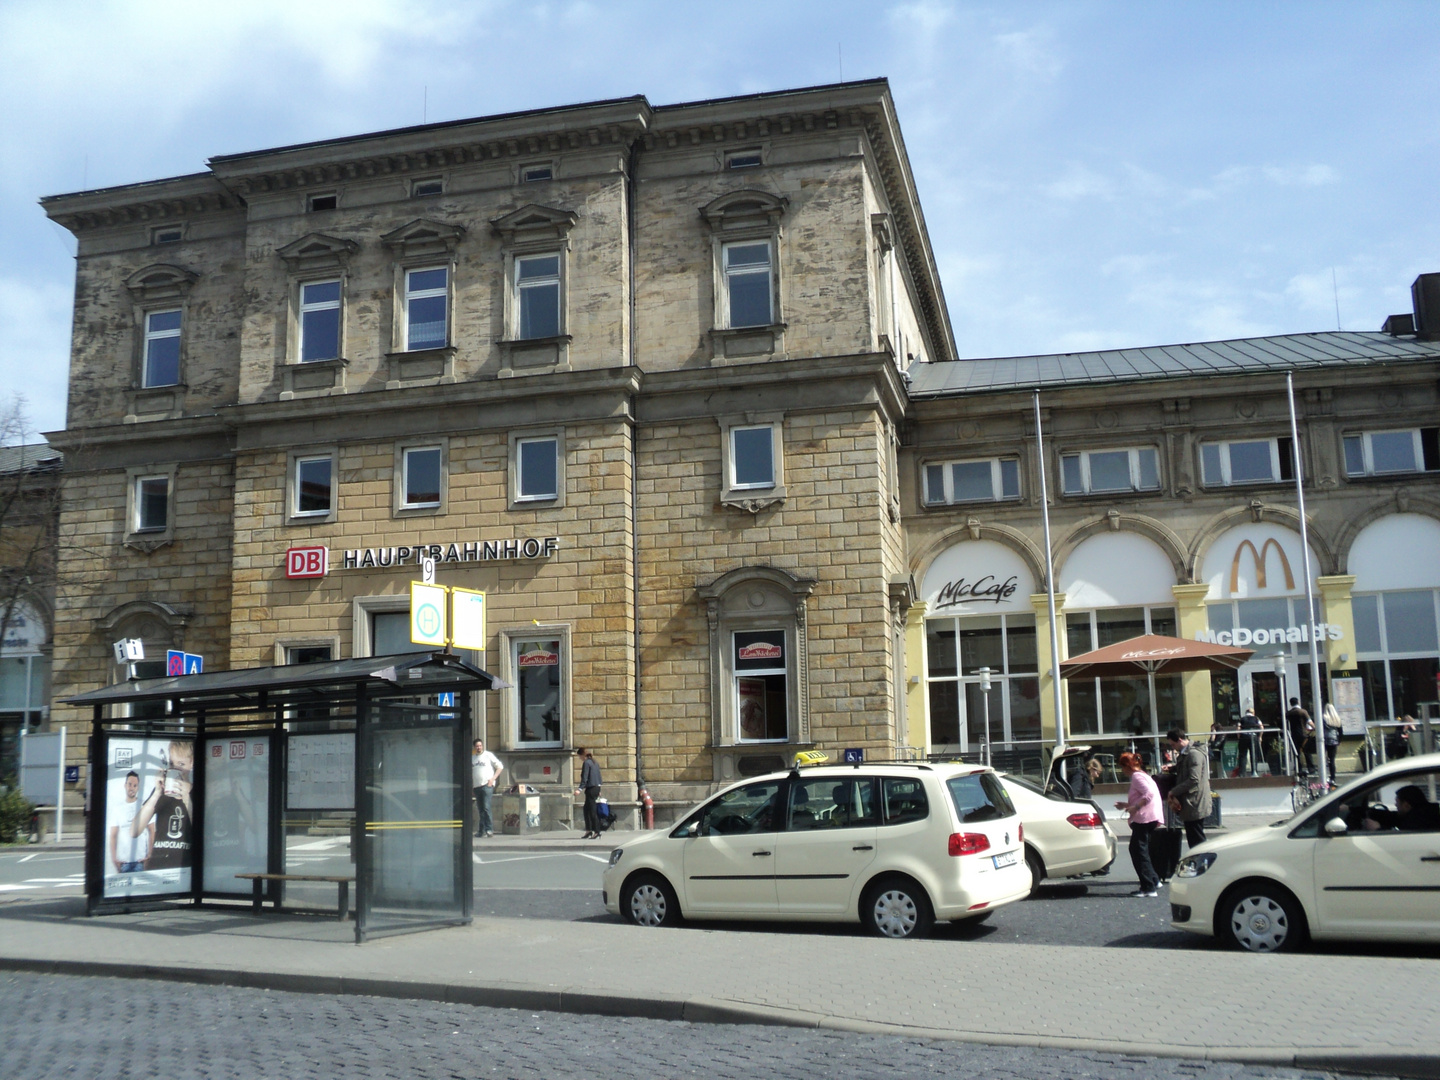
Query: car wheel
x,y
1261,918
648,900
896,907
1037,869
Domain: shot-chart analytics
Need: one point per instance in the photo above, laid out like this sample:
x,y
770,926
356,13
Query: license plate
x,y
1007,858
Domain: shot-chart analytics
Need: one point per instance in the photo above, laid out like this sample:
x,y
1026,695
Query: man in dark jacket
x,y
1190,796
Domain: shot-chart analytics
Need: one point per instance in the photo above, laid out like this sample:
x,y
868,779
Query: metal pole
x,y
984,674
1049,584
1317,715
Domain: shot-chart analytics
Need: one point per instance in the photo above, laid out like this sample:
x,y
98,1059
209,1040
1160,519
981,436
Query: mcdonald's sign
x,y
1258,559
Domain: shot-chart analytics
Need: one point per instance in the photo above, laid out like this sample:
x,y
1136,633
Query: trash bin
x,y
1214,819
519,814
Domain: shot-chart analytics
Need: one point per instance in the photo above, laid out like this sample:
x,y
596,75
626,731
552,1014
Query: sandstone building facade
x,y
676,388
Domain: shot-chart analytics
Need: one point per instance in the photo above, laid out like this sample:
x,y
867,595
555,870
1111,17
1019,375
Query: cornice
x,y
155,201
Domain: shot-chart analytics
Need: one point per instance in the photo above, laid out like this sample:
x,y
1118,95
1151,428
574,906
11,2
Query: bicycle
x,y
1307,790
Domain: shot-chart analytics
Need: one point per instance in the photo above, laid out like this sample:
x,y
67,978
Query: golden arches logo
x,y
1258,560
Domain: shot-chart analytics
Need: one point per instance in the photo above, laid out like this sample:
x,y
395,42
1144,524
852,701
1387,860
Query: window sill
x,y
144,403
753,499
419,511
312,378
420,367
311,519
526,356
149,541
1129,493
744,344
970,504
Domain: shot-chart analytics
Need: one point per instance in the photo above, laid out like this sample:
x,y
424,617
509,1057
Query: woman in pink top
x,y
1147,813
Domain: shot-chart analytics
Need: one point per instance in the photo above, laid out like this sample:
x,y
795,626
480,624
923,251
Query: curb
x,y
1417,1065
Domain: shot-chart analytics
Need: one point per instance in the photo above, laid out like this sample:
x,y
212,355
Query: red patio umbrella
x,y
1154,652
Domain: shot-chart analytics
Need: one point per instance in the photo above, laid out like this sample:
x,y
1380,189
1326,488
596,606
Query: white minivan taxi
x,y
894,846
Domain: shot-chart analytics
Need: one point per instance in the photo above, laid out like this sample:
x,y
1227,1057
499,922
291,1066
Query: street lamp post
x,y
1284,728
984,674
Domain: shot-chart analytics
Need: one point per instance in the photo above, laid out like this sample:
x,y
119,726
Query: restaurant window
x,y
955,651
1142,705
1397,645
761,690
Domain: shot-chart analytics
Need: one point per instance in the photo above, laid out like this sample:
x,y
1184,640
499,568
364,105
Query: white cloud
x,y
1030,51
1080,182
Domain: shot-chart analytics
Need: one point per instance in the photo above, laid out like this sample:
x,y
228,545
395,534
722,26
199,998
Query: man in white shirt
x,y
128,851
485,770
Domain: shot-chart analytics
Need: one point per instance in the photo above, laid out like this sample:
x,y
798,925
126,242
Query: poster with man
x,y
149,816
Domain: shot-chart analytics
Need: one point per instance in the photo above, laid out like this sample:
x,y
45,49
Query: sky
x,y
1093,174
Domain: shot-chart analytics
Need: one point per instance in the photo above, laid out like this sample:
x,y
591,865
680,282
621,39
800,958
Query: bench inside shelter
x,y
258,881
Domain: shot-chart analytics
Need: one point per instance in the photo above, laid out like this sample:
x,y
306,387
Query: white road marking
x,y
27,858
320,845
522,858
597,858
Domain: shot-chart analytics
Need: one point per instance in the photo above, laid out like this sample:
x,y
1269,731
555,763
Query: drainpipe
x,y
630,194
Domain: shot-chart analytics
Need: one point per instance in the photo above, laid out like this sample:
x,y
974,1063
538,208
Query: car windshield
x,y
979,797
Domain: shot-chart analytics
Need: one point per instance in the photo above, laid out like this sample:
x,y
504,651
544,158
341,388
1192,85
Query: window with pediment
x,y
535,242
746,253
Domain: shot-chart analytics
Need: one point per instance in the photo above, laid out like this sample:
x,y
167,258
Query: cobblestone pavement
x,y
105,1028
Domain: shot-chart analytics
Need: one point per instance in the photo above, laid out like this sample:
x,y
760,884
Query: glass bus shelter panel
x,y
415,836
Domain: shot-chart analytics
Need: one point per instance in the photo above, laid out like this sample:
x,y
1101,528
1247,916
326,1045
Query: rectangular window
x,y
168,235
307,654
752,457
748,283
536,471
537,296
984,480
323,202
422,477
152,503
1381,453
426,306
421,189
162,348
743,159
1096,471
761,700
320,321
537,689
313,477
533,174
1251,461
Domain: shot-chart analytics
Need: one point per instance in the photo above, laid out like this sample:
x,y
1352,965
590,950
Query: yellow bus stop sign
x,y
427,614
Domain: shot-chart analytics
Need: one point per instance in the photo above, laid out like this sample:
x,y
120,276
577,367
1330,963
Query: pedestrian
x,y
1249,749
1146,814
1301,726
1333,724
1397,743
1085,779
1190,797
485,770
590,787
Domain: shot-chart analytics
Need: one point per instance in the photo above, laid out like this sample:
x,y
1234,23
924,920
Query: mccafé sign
x,y
1276,635
986,589
314,562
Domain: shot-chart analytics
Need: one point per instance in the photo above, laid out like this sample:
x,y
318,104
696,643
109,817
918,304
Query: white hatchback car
x,y
1063,837
894,846
1364,862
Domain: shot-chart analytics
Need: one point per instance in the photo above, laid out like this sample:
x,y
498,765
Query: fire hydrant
x,y
649,806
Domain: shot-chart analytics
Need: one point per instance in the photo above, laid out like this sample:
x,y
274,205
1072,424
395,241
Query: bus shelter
x,y
359,768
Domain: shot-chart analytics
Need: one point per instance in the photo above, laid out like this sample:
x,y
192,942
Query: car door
x,y
729,858
828,841
1383,879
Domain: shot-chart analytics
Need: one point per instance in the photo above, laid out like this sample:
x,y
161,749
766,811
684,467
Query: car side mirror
x,y
691,830
1336,827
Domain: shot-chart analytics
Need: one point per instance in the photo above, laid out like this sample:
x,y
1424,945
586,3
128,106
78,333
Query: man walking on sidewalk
x,y
485,770
1190,796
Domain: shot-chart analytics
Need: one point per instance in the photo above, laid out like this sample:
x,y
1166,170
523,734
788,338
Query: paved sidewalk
x,y
1360,1014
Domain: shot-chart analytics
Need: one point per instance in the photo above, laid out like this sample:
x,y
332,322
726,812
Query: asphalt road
x,y
103,1028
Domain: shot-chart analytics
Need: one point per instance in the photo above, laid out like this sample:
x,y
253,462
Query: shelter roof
x,y
384,676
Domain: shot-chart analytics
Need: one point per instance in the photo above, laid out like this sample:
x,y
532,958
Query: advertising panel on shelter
x,y
237,811
149,823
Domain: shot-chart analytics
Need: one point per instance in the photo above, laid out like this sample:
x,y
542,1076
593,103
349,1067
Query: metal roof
x,y
28,456
1240,356
405,674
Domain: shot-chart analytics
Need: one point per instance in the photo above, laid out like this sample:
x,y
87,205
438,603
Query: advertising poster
x,y
752,708
237,811
149,816
320,772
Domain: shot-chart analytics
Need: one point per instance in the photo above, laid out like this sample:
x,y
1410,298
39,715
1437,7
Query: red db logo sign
x,y
307,562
